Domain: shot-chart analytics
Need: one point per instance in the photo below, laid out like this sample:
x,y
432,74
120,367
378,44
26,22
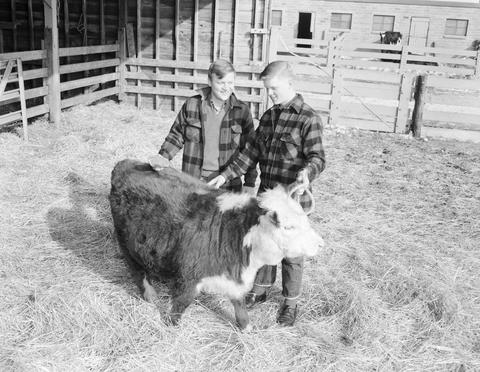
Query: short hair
x,y
220,68
277,68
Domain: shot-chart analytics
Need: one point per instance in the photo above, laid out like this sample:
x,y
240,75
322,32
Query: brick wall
x,y
362,18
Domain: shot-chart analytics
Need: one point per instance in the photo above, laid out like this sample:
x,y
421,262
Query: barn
x,y
55,54
444,24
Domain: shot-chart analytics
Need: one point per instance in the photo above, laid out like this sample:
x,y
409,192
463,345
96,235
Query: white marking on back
x,y
229,201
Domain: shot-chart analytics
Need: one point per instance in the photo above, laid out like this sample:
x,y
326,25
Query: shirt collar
x,y
206,92
295,103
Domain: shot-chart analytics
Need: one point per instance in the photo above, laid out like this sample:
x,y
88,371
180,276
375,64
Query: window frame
x,y
456,27
281,17
383,23
341,29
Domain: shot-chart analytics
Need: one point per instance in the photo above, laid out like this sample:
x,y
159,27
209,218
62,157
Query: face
x,y
222,87
279,89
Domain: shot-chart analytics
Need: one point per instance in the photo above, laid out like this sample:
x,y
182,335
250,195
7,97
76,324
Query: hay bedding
x,y
398,288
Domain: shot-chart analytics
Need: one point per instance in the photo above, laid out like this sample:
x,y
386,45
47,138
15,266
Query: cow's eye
x,y
289,227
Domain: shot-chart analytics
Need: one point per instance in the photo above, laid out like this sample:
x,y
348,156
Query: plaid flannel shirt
x,y
187,132
284,147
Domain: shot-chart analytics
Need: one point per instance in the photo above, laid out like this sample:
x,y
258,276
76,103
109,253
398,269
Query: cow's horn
x,y
309,193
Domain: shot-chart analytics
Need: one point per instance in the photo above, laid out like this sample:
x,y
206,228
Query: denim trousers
x,y
292,272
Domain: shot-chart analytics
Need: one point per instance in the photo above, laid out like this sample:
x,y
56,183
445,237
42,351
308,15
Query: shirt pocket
x,y
236,130
291,145
193,131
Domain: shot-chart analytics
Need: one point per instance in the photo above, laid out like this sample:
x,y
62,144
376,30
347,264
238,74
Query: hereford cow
x,y
391,38
170,224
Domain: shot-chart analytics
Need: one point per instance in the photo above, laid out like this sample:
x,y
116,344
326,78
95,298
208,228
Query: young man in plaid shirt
x,y
211,127
288,147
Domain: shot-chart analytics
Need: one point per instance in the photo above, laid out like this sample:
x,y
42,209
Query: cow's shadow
x,y
86,230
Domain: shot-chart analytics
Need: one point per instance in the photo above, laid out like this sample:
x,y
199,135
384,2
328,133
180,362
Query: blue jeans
x,y
292,272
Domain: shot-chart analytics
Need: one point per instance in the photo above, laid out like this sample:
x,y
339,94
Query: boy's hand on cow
x,y
249,190
217,182
302,179
158,162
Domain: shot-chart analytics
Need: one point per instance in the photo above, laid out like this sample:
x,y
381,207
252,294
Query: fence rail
x,y
87,74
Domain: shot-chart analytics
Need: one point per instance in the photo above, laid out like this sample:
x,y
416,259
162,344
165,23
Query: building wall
x,y
362,19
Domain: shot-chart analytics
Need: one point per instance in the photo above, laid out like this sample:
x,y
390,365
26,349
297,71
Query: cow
x,y
171,225
391,38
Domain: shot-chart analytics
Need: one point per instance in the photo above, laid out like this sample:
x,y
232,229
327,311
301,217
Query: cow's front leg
x,y
241,314
182,298
149,292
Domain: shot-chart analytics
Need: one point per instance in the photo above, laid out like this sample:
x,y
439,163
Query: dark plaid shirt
x,y
188,132
284,146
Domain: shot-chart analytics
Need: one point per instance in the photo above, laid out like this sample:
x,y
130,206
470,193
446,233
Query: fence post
x,y
330,53
417,116
477,65
122,66
401,121
336,99
403,58
273,43
53,60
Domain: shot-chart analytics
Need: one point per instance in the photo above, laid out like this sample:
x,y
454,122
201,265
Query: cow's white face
x,y
284,231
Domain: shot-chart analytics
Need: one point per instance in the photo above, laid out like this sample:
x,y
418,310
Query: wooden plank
x,y
457,52
373,76
31,34
372,125
188,79
30,74
139,45
157,45
405,94
440,60
234,31
10,95
369,55
89,98
14,94
13,7
371,90
176,42
102,22
6,74
122,68
89,81
187,65
76,67
359,63
453,98
182,92
311,42
215,28
110,48
24,56
477,66
336,97
448,83
417,115
348,45
23,105
445,70
452,119
12,117
1,41
53,61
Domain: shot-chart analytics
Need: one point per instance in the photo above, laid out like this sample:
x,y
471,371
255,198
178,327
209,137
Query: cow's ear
x,y
273,217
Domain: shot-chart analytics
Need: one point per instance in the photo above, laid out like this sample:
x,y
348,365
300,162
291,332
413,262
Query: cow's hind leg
x,y
182,298
241,314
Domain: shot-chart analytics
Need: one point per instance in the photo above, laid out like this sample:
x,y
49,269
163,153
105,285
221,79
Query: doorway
x,y
418,35
305,28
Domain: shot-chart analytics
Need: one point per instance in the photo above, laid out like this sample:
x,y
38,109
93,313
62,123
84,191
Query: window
x,y
456,27
383,23
276,17
342,21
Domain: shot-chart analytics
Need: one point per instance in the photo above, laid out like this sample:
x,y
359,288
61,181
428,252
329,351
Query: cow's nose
x,y
321,243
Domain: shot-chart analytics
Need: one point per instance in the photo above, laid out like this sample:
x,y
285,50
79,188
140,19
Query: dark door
x,y
304,28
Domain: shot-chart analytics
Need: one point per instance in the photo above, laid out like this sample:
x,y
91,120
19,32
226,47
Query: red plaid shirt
x,y
187,132
287,140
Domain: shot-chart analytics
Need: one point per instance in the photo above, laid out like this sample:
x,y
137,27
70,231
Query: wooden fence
x,y
371,86
87,74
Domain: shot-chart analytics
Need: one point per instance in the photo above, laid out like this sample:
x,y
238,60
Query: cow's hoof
x,y
173,319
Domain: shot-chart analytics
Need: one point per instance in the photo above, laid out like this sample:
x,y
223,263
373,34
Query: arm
x,y
313,148
247,132
175,138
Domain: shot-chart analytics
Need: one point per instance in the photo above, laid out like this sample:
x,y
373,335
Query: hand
x,y
302,179
217,182
249,190
158,162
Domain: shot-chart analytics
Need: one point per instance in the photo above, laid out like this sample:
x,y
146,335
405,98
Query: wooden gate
x,y
14,94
